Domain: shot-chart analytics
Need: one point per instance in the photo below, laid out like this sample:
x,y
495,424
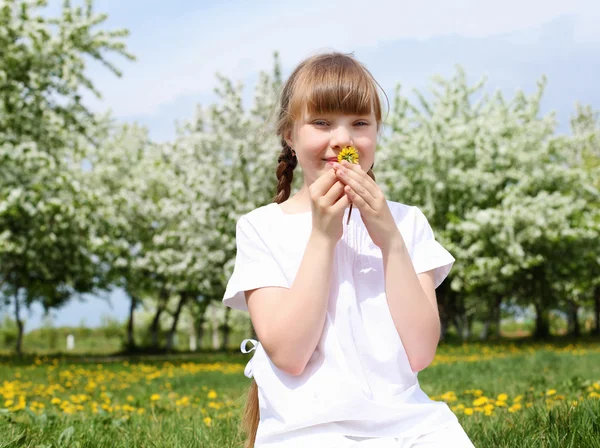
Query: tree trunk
x,y
485,331
542,322
130,336
542,301
498,316
19,345
573,325
215,329
226,330
597,309
442,296
200,319
462,326
470,319
173,330
154,326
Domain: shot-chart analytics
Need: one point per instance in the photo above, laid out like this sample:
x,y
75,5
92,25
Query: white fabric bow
x,y
248,369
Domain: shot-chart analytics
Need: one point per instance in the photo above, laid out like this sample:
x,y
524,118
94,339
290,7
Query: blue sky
x,y
180,45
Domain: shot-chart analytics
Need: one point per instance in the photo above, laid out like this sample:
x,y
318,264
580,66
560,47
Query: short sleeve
x,y
427,253
254,267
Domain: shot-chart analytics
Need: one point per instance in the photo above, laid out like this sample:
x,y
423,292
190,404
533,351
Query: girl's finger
x,y
356,171
342,203
357,200
358,188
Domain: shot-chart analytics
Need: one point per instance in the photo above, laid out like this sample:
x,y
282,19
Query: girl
x,y
346,315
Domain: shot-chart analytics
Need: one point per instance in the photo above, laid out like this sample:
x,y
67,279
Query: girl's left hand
x,y
366,195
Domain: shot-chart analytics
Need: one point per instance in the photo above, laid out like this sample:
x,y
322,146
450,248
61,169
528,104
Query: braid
x,y
285,172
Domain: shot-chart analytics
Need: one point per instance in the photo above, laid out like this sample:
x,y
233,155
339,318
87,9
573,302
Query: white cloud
x,y
182,59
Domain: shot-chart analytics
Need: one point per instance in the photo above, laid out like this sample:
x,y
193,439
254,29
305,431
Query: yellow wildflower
x,y
155,397
449,396
349,154
514,408
480,401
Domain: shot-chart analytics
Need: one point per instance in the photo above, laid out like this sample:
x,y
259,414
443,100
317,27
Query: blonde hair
x,y
325,83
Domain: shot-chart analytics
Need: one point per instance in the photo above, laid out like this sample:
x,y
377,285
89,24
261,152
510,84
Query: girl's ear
x,y
288,139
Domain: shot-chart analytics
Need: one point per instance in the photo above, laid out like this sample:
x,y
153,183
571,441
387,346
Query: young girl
x,y
346,314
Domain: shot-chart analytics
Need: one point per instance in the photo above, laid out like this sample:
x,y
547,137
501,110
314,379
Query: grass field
x,y
505,395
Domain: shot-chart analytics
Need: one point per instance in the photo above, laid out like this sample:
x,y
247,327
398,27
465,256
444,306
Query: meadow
x,y
506,394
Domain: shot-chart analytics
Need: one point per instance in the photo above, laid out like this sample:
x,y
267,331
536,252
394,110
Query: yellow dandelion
x,y
480,401
468,411
207,421
515,407
212,394
502,397
155,397
350,154
449,396
550,392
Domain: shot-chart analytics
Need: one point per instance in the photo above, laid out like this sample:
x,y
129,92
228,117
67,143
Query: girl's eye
x,y
320,122
362,123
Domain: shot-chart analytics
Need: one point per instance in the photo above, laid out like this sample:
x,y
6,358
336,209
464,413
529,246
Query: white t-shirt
x,y
358,382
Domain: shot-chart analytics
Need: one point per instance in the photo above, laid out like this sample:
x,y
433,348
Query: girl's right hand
x,y
328,203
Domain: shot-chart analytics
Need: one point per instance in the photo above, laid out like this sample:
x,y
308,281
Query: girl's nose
x,y
340,137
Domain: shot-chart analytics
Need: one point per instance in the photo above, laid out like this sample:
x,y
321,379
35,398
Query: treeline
x,y
88,204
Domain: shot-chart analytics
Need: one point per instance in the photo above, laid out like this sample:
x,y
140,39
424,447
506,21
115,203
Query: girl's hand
x,y
328,203
366,195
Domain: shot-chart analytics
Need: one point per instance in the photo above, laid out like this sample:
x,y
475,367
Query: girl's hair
x,y
325,83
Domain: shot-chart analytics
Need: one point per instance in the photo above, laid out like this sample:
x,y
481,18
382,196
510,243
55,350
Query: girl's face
x,y
319,137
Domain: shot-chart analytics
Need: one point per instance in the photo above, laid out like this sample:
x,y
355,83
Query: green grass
x,y
135,402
